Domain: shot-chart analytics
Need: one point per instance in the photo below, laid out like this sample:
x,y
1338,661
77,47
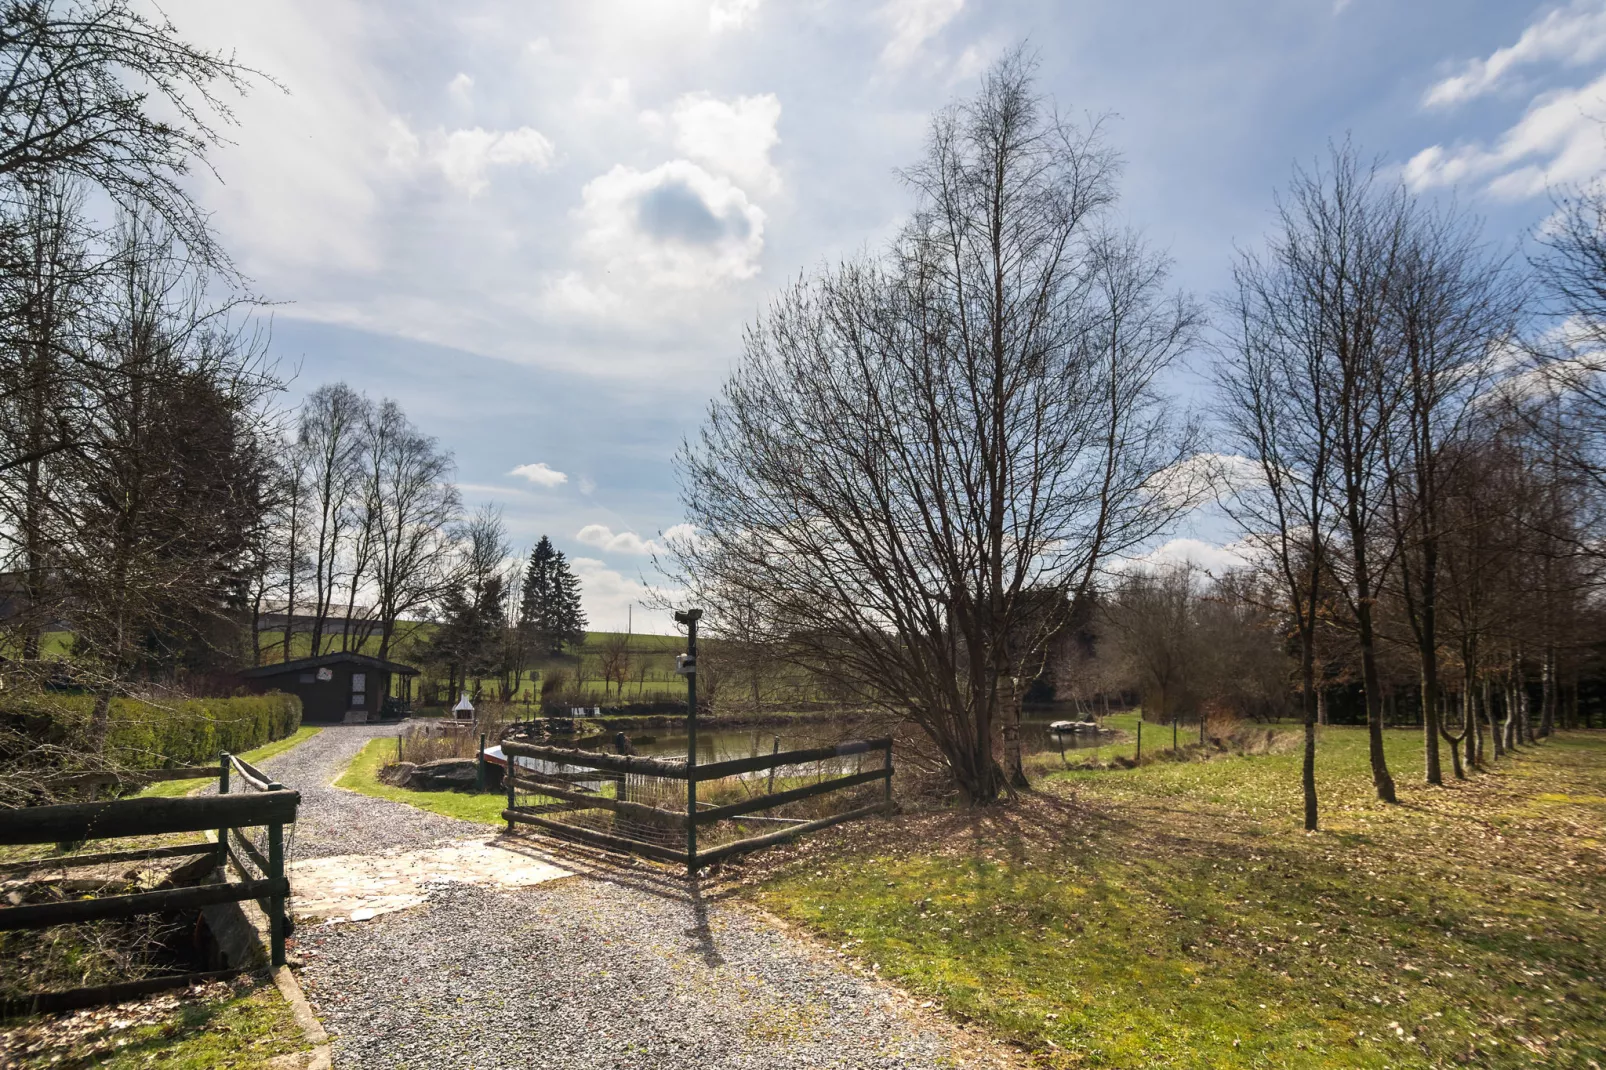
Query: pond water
x,y
722,744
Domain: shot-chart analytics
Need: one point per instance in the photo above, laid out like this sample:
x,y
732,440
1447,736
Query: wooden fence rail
x,y
269,804
563,786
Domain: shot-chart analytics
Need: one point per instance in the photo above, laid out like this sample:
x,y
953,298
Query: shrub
x,y
150,734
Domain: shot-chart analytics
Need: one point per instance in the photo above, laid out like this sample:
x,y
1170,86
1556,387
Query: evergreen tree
x,y
550,615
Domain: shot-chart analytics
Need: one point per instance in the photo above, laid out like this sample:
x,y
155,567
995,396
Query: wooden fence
x,y
266,804
650,806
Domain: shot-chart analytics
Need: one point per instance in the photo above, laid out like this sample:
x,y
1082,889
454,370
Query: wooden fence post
x,y
479,769
276,897
507,781
1140,740
887,793
223,833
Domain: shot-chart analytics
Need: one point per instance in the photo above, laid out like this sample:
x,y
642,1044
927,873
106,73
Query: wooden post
x,y
1173,733
1140,739
398,746
887,791
223,833
479,770
774,751
507,780
276,896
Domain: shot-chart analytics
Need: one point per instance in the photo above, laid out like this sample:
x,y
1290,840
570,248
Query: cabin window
x,y
359,688
307,678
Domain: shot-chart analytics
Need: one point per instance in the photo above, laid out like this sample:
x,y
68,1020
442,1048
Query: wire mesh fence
x,y
674,810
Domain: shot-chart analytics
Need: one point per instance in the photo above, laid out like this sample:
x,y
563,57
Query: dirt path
x,y
574,964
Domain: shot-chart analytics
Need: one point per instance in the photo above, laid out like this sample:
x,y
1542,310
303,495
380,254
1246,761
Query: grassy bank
x,y
1174,915
362,776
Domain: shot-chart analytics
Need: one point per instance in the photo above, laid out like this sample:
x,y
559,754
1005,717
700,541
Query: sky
x,y
542,227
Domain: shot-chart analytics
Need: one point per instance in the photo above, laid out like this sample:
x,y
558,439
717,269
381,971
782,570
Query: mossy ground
x,y
1176,915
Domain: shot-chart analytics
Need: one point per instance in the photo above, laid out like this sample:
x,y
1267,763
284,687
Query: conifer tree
x,y
550,613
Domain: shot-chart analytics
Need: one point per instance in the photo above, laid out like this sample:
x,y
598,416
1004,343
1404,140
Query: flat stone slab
x,y
360,887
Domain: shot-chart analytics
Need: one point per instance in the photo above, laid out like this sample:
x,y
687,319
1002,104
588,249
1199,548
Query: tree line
x,y
929,465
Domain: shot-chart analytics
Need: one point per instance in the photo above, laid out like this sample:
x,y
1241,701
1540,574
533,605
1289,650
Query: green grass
x,y
244,1029
1175,915
169,788
362,776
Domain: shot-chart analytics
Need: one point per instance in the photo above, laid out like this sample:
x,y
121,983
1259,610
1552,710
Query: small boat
x,y
1060,728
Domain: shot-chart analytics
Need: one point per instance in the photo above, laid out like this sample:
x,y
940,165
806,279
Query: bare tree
x,y
1153,614
915,453
1454,309
99,91
331,434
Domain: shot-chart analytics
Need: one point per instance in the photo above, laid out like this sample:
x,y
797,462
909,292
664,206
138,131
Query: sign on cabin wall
x,y
326,674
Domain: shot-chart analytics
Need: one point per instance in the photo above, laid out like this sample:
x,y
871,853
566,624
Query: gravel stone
x,y
613,967
333,821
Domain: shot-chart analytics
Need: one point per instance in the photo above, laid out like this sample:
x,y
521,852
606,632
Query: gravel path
x,y
585,973
614,967
332,821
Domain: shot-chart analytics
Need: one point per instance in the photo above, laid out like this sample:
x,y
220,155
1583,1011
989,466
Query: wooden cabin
x,y
333,688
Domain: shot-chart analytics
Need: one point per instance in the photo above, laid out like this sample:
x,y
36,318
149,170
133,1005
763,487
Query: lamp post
x,y
686,665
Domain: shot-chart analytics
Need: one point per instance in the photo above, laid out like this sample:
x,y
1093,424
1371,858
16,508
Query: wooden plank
x,y
670,819
107,858
598,839
780,798
70,822
254,776
616,763
41,915
77,998
132,776
770,839
716,770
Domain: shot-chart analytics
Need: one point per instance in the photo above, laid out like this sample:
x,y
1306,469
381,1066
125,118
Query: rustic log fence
x,y
695,815
264,804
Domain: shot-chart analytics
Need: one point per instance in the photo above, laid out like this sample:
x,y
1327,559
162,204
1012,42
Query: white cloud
x,y
1214,559
730,14
676,226
1192,482
1573,36
1559,140
540,474
461,89
913,23
729,137
465,156
612,600
625,542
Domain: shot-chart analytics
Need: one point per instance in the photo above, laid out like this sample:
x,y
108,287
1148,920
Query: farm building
x,y
333,688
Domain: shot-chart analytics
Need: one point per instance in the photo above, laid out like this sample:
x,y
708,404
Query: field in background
x,y
1175,914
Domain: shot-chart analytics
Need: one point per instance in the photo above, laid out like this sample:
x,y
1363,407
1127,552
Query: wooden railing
x,y
565,785
271,805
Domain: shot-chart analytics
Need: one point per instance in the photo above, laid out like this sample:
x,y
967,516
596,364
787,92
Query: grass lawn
x,y
235,1027
184,787
362,775
1175,915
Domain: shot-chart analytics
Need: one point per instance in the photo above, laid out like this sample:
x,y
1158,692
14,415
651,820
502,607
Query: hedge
x,y
145,735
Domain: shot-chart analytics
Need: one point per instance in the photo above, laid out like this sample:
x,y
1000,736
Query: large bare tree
x,y
918,452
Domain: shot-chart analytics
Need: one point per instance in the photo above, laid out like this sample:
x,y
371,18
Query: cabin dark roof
x,y
338,658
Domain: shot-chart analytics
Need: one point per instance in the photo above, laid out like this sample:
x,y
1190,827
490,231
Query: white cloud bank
x,y
675,226
1558,140
628,542
733,138
1572,36
541,474
730,14
613,601
465,157
913,23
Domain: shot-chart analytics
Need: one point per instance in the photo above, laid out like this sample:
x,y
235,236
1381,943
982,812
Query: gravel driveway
x,y
616,966
332,821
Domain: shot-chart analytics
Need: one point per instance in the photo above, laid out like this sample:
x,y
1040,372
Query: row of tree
x,y
924,467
